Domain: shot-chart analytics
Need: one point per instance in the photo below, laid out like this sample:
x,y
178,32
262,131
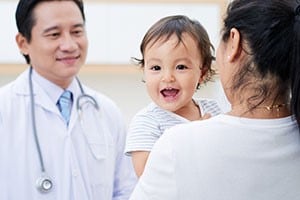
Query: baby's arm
x,y
139,159
144,131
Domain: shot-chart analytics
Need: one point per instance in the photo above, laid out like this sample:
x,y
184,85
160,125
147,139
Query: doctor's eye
x,y
53,35
78,32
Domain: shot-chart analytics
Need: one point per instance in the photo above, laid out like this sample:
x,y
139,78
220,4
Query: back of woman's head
x,y
271,31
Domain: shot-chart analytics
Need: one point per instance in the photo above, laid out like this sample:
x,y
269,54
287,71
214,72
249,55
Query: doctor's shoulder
x,y
7,94
9,102
7,89
15,89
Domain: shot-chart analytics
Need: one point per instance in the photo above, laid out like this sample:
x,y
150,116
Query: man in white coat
x,y
46,151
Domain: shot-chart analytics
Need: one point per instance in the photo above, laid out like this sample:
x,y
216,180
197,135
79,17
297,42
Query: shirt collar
x,y
53,90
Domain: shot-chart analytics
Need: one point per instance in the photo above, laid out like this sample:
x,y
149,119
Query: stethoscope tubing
x,y
36,139
44,183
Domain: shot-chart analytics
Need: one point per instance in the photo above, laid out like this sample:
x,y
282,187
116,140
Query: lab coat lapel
x,y
43,100
40,96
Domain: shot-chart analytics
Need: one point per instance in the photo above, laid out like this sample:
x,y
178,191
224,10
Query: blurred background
x,y
115,29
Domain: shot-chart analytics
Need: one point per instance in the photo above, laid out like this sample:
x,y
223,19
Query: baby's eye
x,y
155,68
181,67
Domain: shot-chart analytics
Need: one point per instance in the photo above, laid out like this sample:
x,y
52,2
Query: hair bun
x,y
297,9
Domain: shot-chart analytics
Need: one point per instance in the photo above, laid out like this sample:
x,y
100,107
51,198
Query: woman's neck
x,y
263,111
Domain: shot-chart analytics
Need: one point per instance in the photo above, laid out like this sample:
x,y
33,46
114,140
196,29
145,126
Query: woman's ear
x,y
22,43
234,45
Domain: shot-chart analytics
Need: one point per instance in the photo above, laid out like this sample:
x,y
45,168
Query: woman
x,y
253,151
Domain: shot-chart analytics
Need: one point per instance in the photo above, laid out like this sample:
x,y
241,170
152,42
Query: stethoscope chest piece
x,y
44,184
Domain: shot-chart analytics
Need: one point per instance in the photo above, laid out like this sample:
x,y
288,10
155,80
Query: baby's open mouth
x,y
169,92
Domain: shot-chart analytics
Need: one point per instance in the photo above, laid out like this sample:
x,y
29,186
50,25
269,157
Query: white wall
x,y
115,30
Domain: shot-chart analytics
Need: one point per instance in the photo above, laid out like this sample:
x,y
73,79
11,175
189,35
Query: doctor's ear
x,y
22,43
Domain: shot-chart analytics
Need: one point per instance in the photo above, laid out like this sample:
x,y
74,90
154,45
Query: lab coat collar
x,y
43,99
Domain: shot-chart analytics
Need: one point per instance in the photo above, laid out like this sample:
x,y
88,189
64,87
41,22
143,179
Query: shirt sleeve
x,y
144,130
158,179
209,106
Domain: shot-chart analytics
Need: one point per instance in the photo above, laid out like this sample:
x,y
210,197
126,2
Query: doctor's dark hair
x,y
178,25
270,34
25,19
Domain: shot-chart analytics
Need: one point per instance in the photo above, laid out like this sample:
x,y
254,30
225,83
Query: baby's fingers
x,y
206,116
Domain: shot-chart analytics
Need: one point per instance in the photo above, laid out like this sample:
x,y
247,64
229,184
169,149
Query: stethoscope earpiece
x,y
44,184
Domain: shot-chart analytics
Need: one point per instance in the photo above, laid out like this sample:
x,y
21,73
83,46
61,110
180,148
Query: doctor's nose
x,y
68,43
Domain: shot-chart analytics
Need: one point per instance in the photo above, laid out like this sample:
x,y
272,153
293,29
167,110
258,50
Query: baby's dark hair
x,y
270,33
25,18
178,25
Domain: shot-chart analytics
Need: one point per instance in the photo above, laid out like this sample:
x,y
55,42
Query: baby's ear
x,y
203,75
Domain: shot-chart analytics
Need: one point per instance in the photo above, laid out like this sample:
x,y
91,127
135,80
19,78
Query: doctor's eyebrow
x,y
54,28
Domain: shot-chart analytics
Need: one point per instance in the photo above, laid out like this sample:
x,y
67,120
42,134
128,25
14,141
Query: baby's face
x,y
172,72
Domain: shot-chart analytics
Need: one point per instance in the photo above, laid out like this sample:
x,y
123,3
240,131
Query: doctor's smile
x,y
69,60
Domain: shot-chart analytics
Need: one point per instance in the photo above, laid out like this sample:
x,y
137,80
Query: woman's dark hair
x,y
25,19
271,30
179,24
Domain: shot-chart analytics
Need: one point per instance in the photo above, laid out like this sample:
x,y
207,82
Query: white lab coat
x,y
69,160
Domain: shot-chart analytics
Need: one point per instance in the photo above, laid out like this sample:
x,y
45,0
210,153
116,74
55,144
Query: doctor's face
x,y
58,46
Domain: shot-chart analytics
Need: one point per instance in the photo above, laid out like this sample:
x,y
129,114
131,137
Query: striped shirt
x,y
150,123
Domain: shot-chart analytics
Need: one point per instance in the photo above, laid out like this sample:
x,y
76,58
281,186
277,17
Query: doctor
x,y
48,152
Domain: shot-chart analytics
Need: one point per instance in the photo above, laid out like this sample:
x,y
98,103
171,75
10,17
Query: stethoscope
x,y
44,183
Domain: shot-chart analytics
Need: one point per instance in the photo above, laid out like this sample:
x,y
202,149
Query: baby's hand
x,y
206,116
